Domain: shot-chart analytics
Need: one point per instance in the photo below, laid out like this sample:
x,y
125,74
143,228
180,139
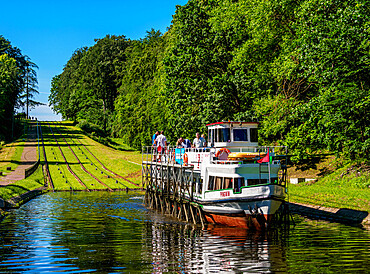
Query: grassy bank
x,y
69,141
344,187
34,181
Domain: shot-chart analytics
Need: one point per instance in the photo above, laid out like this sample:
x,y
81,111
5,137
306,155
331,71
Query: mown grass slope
x,y
90,161
344,187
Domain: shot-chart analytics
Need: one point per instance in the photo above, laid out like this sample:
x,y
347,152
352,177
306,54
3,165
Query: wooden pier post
x,y
169,187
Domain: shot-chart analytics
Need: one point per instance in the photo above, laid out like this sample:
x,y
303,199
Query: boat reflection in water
x,y
181,248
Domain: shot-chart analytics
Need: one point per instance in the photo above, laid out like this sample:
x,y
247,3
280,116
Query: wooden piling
x,y
169,189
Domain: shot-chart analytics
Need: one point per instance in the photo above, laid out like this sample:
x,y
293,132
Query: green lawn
x,y
350,191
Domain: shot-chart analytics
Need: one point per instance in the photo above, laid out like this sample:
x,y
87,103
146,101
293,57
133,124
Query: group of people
x,y
198,142
160,141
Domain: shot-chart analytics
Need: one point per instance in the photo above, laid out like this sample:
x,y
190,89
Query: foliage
x,y
30,87
299,67
8,86
90,128
88,86
141,105
337,120
17,81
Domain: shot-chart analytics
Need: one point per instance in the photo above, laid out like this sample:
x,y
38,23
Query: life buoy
x,y
222,150
185,159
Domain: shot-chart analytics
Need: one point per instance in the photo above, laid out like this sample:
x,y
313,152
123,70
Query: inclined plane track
x,y
82,166
45,159
103,166
66,162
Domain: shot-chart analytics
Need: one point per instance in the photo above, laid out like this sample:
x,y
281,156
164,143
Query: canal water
x,y
114,233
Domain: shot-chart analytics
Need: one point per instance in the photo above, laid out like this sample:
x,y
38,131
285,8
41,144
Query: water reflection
x,y
182,248
112,232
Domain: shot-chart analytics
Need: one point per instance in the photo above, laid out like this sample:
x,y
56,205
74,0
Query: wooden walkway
x,y
28,158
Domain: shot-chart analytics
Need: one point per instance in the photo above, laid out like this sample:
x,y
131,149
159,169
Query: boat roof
x,y
232,122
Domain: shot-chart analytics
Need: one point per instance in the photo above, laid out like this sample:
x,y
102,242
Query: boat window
x,y
252,182
240,134
254,134
228,183
211,183
217,135
218,183
238,183
223,135
274,180
200,186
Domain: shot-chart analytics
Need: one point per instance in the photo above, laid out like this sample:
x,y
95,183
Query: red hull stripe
x,y
246,221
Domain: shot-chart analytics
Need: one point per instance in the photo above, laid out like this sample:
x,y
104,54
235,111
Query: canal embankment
x,y
340,215
333,190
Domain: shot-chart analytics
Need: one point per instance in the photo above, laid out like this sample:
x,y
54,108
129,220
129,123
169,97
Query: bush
x,y
93,129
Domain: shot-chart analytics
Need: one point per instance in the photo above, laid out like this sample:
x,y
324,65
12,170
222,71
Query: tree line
x,y
300,68
18,86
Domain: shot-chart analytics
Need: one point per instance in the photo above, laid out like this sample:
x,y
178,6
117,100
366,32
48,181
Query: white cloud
x,y
45,113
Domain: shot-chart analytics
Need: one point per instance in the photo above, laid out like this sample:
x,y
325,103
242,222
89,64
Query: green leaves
x,y
17,80
337,121
300,67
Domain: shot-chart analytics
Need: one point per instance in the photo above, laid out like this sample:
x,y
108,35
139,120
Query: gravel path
x,y
28,158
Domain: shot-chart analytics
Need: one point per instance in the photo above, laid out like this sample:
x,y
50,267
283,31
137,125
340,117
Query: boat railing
x,y
176,155
169,154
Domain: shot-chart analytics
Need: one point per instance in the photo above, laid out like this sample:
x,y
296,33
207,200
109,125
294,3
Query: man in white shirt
x,y
197,143
160,141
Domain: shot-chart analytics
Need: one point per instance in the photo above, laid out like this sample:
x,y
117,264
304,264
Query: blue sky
x,y
50,31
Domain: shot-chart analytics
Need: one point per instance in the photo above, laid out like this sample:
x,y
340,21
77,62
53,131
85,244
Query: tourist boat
x,y
236,181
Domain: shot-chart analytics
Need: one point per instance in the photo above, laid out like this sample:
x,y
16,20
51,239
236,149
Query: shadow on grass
x,y
344,215
15,190
61,144
19,162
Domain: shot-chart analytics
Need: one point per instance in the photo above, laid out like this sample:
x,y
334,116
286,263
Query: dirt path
x,y
28,158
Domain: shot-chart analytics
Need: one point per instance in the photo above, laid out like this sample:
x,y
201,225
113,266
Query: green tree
x,y
30,86
141,107
9,72
14,77
65,87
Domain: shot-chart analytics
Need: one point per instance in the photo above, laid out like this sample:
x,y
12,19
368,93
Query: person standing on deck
x,y
186,143
197,143
204,142
161,142
155,135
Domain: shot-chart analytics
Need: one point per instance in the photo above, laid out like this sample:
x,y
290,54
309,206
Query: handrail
x,y
28,171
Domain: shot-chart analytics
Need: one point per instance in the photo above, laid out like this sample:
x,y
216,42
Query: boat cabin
x,y
232,134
